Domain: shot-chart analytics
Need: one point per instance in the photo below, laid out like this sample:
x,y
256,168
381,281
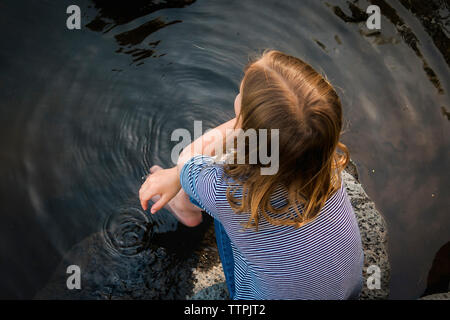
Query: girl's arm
x,y
166,182
206,144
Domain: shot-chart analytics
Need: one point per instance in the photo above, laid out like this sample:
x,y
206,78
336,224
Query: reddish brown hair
x,y
282,92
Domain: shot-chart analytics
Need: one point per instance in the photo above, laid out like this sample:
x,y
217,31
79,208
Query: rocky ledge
x,y
210,285
437,296
184,264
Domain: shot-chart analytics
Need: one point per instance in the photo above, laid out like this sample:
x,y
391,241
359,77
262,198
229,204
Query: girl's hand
x,y
165,183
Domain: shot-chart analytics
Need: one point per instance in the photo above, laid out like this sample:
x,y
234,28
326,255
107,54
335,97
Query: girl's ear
x,y
237,105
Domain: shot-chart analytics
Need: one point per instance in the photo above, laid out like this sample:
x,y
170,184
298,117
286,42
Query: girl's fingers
x,y
152,188
158,205
142,198
146,184
144,204
145,195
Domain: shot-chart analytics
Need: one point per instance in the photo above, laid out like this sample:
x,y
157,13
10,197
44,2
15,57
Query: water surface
x,y
85,113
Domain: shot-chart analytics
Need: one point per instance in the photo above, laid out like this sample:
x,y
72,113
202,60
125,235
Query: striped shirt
x,y
320,260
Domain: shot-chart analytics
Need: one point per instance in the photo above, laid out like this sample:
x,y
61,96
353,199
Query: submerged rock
x,y
437,296
373,229
150,274
162,271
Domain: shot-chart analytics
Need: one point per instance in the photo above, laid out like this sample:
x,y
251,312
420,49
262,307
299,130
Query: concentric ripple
x,y
128,231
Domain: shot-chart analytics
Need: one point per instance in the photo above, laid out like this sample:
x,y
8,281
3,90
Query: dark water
x,y
85,113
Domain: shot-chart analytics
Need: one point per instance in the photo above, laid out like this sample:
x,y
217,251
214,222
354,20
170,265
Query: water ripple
x,y
127,231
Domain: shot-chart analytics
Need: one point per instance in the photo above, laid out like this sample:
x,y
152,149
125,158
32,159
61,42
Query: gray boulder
x,y
437,296
190,269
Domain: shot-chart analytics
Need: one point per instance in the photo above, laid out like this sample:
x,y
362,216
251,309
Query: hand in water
x,y
164,183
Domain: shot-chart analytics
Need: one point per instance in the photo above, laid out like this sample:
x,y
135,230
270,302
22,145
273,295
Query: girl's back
x,y
320,260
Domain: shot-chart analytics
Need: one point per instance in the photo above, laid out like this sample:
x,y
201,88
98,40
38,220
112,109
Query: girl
x,y
289,235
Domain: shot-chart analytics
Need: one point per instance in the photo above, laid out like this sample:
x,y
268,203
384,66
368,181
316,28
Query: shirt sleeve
x,y
199,178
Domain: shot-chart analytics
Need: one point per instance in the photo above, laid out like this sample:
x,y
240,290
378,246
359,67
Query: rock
x,y
437,296
151,274
191,269
374,236
438,279
217,291
210,285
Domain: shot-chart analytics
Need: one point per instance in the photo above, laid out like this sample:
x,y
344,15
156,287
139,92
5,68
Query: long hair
x,y
279,91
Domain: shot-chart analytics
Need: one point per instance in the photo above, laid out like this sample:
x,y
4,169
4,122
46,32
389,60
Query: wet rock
x,y
216,291
164,270
173,268
438,280
437,296
151,274
374,236
210,285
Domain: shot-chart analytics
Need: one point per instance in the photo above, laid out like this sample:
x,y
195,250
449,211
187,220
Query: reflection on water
x,y
77,136
360,16
445,112
111,14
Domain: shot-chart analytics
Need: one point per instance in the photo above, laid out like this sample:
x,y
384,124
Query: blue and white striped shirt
x,y
320,260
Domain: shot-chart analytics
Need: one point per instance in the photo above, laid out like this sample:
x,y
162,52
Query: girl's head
x,y
279,91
